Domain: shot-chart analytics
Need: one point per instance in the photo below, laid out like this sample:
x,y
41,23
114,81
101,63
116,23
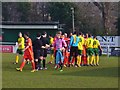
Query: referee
x,y
46,45
38,51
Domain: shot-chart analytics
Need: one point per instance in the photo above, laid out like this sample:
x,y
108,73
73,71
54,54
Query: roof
x,y
29,23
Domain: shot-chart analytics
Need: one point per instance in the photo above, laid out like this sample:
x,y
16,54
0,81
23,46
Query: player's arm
x,y
20,44
47,44
22,41
41,44
71,41
99,46
64,43
83,41
27,45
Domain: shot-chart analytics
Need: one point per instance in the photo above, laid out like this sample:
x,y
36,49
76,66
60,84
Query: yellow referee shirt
x,y
51,40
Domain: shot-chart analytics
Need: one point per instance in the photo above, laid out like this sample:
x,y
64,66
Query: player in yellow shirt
x,y
21,47
80,49
89,47
52,49
96,47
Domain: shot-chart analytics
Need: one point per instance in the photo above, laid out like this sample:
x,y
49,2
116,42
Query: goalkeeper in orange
x,y
28,53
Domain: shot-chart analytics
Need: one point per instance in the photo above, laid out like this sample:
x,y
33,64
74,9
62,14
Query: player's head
x,y
95,37
83,35
71,33
38,35
80,34
86,35
26,35
89,35
44,34
58,34
75,33
50,36
65,35
62,36
20,34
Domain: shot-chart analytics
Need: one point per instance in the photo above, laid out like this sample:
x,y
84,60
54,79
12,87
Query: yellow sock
x,y
51,58
17,58
79,60
88,60
92,59
97,57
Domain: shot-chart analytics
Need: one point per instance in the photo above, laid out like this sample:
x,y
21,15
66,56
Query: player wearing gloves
x,y
59,45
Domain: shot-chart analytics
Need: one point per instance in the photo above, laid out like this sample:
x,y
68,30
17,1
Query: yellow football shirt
x,y
96,43
51,40
89,43
81,43
21,40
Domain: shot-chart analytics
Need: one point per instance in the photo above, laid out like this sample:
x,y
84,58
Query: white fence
x,y
109,42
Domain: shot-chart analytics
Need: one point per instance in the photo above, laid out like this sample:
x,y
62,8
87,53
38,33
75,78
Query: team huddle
x,y
76,50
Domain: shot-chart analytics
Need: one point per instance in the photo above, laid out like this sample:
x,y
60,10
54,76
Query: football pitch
x,y
103,76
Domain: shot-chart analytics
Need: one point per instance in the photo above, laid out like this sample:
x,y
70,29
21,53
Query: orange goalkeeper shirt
x,y
28,51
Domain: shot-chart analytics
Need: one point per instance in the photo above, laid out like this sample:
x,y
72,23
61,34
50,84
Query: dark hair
x,y
27,34
75,32
50,35
59,32
89,35
80,33
38,34
44,33
94,36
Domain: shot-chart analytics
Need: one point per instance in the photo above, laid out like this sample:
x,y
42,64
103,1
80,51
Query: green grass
x,y
103,76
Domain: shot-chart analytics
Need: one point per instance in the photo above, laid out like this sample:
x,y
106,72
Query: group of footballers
x,y
76,50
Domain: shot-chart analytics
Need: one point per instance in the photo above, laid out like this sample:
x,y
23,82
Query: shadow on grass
x,y
99,72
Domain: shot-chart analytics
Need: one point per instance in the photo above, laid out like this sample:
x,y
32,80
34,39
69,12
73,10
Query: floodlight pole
x,y
107,46
73,23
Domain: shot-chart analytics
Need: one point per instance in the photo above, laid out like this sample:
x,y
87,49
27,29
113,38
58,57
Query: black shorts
x,y
37,54
74,51
44,52
20,51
